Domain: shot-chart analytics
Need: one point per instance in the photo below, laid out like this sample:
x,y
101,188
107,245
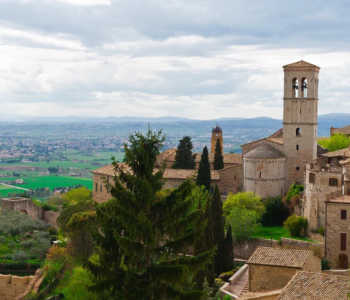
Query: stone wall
x,y
23,205
231,180
12,286
51,218
268,278
100,193
246,249
316,237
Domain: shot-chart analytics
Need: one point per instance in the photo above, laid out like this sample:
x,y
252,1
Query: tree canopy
x,y
247,200
218,157
142,237
204,176
335,142
184,158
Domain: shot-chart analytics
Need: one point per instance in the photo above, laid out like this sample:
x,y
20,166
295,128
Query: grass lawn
x,y
264,232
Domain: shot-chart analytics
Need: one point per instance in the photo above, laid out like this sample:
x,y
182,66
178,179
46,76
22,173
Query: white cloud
x,y
86,2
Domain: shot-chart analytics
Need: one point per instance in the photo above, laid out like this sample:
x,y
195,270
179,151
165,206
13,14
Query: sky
x,y
200,59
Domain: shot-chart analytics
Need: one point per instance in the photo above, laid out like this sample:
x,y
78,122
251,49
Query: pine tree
x,y
218,231
228,251
218,157
143,234
184,159
206,243
204,177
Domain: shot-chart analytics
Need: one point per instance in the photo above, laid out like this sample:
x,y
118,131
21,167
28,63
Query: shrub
x,y
335,142
20,256
219,282
276,212
2,240
57,254
28,244
320,230
52,230
248,201
295,225
48,207
325,264
294,190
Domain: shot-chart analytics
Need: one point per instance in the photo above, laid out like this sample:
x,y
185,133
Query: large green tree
x,y
218,231
204,177
228,250
142,239
184,158
218,157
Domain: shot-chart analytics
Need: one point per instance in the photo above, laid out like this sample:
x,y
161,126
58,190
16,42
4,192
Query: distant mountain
x,y
325,121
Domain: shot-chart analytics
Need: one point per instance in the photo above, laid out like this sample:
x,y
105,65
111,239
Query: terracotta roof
x,y
279,257
228,158
273,140
343,152
341,199
168,173
277,134
264,151
343,130
301,63
316,286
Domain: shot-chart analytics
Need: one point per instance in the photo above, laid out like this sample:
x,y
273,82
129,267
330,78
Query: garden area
x,y
24,242
276,233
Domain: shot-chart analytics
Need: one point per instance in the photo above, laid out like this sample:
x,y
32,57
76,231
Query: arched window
x,y
260,174
298,132
304,87
295,87
297,147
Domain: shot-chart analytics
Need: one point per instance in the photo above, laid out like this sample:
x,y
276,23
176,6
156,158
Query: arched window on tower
x,y
297,147
295,87
304,87
298,132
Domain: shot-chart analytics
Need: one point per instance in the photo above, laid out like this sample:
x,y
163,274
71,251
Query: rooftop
x,y
264,151
301,63
270,139
342,152
311,286
343,130
341,199
279,257
15,199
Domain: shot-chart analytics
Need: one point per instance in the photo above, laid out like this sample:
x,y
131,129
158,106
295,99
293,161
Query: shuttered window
x,y
333,182
343,241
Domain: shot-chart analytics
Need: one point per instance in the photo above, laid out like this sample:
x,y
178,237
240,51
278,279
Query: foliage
x,y
49,207
277,232
210,293
141,240
294,190
244,222
218,231
28,244
78,285
335,142
2,239
52,230
247,201
55,200
218,163
184,158
21,256
219,282
320,230
295,225
228,259
57,254
204,176
276,212
77,195
325,264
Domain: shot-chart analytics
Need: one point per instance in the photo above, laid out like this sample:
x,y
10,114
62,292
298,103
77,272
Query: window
x,y
297,147
96,187
297,168
304,88
298,132
333,182
300,111
343,241
311,178
235,177
101,188
295,87
260,174
343,214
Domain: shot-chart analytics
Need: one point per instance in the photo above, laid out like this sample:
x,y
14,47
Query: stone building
x,y
271,269
337,230
325,175
216,135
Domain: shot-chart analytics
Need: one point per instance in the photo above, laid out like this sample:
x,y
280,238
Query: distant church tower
x,y
215,135
299,118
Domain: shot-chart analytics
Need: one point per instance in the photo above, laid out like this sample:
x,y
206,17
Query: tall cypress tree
x,y
204,177
184,158
218,231
218,157
228,251
139,236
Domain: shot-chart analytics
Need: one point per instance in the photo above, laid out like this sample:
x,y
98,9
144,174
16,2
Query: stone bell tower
x,y
299,119
215,135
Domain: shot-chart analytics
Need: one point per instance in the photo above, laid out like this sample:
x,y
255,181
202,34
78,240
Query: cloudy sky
x,y
200,59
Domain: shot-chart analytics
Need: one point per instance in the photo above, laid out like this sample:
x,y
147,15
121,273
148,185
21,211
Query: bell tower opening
x,y
304,88
295,87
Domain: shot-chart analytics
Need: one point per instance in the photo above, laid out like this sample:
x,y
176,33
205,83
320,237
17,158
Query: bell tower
x,y
215,135
299,119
